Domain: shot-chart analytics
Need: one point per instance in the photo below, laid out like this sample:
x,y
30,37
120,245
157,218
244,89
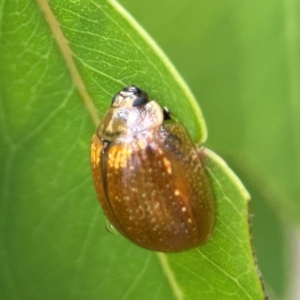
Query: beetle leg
x,y
167,114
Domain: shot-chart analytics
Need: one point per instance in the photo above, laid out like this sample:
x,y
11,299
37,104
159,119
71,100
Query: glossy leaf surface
x,y
53,240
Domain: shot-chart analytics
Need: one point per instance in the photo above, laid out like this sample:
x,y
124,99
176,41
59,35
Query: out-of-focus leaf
x,y
242,62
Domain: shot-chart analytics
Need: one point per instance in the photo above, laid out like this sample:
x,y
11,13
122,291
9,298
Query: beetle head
x,y
130,96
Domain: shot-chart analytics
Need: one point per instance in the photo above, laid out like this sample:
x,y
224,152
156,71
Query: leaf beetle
x,y
149,177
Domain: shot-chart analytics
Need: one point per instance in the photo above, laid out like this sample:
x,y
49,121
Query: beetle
x,y
149,177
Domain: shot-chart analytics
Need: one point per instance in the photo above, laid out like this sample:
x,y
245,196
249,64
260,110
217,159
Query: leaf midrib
x,y
68,57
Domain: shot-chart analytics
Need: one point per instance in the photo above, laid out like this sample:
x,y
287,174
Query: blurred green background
x,y
241,60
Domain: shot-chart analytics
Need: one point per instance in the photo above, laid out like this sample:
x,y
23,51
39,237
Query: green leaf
x,y
53,240
109,55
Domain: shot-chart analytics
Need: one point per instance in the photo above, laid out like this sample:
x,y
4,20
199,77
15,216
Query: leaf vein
x,y
225,273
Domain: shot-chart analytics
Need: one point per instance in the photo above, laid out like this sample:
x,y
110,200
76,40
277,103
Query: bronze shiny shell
x,y
149,177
